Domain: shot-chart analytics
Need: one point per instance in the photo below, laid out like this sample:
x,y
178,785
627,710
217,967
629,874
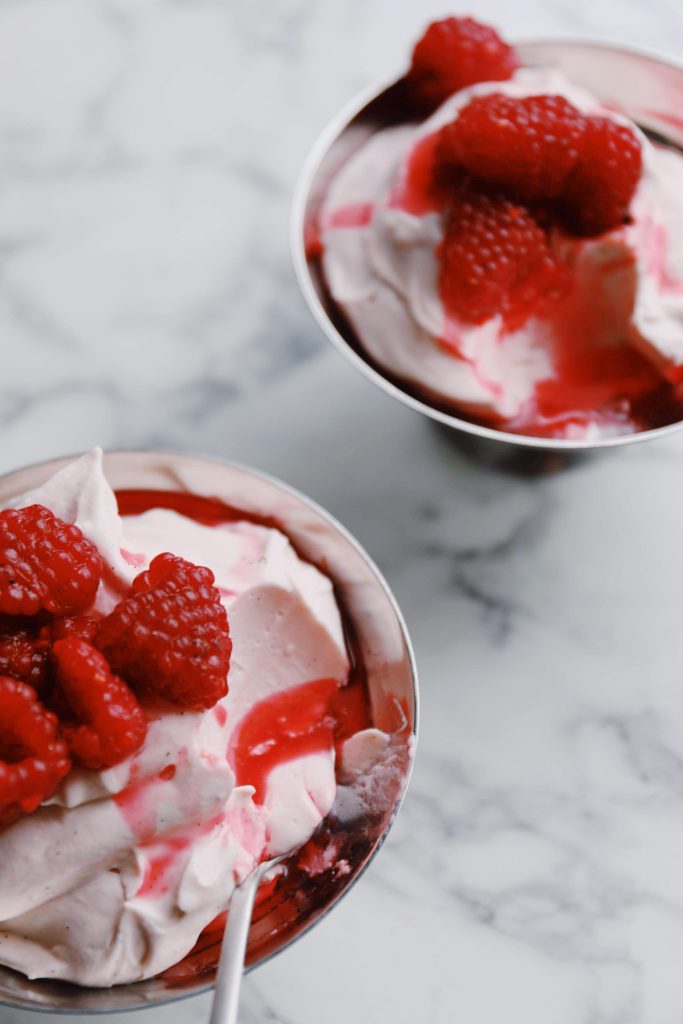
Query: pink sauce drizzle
x,y
156,870
282,727
590,375
593,382
133,558
154,881
673,119
416,191
355,215
304,719
658,263
136,806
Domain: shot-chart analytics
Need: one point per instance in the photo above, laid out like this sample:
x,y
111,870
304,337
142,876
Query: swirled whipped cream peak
x,y
516,255
144,829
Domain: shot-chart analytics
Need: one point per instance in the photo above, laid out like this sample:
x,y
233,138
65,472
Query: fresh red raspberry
x,y
174,572
494,259
24,649
25,645
606,176
110,724
170,636
33,759
45,564
82,626
527,147
457,52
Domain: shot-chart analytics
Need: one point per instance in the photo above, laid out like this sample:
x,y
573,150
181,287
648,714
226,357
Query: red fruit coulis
x,y
593,382
315,716
311,879
305,719
154,881
308,719
355,215
417,190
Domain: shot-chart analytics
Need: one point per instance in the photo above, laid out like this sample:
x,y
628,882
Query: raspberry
x,y
82,626
526,146
25,645
457,52
543,148
45,564
175,572
170,636
604,180
24,649
110,724
494,259
33,759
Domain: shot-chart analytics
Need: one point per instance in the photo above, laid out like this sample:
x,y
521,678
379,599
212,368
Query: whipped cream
x,y
381,267
114,878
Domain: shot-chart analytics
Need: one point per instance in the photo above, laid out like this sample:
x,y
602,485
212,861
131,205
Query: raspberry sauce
x,y
357,215
417,190
309,718
287,725
316,716
599,377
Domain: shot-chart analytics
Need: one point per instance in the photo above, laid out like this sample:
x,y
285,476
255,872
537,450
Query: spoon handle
x,y
231,963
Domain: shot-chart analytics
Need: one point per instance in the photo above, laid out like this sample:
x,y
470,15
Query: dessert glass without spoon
x,y
644,86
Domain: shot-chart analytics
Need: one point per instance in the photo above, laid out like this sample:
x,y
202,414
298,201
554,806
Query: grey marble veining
x,y
148,151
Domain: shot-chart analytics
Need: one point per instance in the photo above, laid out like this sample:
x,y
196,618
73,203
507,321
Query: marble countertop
x,y
148,151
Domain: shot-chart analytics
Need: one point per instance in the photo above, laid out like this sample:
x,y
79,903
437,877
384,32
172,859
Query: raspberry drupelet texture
x,y
528,146
101,718
541,149
24,650
25,645
174,571
605,178
33,759
456,52
45,564
82,626
494,260
170,636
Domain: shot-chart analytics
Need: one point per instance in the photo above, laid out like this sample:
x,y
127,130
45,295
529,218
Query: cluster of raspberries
x,y
72,682
514,169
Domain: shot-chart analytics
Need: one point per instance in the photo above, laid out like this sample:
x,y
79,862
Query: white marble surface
x,y
148,150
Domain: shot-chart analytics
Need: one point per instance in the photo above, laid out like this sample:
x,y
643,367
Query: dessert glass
x,y
642,85
385,648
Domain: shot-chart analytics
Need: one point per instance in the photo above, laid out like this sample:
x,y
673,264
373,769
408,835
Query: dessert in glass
x,y
497,238
199,671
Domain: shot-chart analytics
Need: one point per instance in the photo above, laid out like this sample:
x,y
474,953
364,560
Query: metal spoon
x,y
231,964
